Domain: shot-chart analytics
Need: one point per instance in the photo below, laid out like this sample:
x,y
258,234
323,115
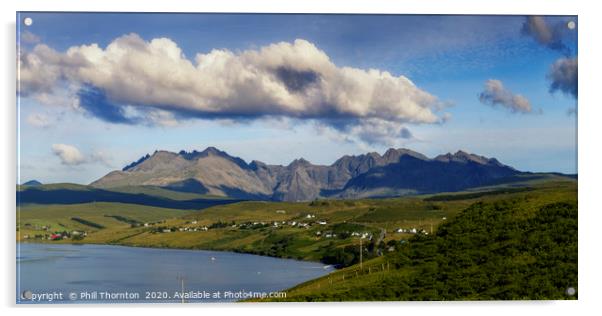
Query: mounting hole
x,y
26,295
28,21
571,291
571,25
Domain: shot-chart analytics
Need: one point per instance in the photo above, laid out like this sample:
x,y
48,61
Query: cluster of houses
x,y
363,235
58,235
330,234
411,231
181,229
303,223
153,223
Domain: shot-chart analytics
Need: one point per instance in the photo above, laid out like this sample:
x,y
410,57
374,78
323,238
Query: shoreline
x,y
175,248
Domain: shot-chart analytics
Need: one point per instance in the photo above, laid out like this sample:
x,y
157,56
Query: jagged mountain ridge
x,y
396,172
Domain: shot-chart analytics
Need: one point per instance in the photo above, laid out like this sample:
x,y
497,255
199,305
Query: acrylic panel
x,y
196,157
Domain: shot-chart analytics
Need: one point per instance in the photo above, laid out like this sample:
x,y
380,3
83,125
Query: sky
x,y
97,91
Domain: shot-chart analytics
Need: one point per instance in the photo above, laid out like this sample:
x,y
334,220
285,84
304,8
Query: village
x,y
56,235
306,221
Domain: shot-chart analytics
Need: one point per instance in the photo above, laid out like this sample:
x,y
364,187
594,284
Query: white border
x,y
589,148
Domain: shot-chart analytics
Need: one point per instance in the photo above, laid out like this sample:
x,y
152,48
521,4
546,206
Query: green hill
x,y
519,247
68,193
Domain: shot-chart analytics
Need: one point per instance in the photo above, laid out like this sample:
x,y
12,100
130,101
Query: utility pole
x,y
181,278
361,255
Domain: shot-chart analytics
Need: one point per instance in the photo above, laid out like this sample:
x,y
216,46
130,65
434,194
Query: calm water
x,y
59,273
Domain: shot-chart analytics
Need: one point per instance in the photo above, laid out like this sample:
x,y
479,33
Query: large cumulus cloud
x,y
287,79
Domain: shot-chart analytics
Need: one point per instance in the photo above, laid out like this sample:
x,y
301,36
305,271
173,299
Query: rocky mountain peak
x,y
300,162
398,170
393,155
464,157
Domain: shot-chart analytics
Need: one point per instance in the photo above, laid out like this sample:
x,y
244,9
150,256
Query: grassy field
x,y
57,218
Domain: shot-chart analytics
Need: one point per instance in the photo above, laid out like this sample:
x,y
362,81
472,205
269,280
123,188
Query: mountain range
x,y
396,172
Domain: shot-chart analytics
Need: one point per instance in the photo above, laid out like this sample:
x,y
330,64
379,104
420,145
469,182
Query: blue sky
x,y
483,84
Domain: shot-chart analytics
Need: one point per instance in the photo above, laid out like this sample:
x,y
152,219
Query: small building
x,y
322,222
280,211
56,237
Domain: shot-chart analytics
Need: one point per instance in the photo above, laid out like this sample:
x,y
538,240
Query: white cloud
x,y
295,80
29,37
69,155
38,120
72,156
100,157
496,94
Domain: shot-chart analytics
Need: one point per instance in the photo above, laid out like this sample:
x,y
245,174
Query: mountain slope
x,y
516,248
396,172
444,173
